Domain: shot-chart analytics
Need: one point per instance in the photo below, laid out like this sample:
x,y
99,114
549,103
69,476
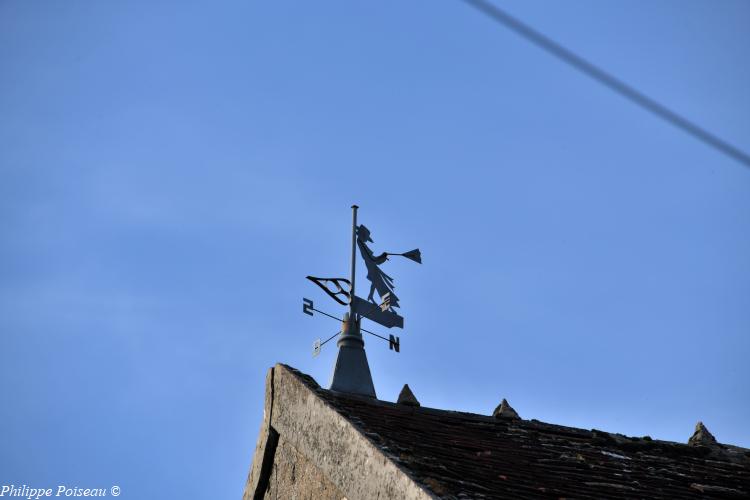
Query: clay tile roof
x,y
462,455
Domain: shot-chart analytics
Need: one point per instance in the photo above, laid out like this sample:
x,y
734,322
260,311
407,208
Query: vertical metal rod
x,y
352,320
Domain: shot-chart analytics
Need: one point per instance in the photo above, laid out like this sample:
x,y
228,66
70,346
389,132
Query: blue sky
x,y
171,171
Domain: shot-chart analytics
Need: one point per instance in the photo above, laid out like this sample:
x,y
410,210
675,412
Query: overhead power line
x,y
598,74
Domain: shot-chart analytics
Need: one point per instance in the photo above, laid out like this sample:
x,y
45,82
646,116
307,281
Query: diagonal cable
x,y
598,74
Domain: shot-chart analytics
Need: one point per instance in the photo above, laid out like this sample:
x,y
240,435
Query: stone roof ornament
x,y
701,436
505,410
351,373
406,397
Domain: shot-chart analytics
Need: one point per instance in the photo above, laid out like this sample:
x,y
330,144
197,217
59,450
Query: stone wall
x,y
294,477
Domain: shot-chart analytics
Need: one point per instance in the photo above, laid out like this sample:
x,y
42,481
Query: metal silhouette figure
x,y
379,280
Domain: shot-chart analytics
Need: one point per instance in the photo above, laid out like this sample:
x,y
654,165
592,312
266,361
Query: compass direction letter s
x,y
316,348
307,306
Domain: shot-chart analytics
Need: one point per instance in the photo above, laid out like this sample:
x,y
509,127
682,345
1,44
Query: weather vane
x,y
352,373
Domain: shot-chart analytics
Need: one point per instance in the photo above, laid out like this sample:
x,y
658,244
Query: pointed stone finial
x,y
701,436
504,410
406,397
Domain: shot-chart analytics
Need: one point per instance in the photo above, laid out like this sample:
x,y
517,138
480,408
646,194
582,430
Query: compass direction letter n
x,y
394,343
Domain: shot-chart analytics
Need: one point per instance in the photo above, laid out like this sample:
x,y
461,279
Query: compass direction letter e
x,y
307,306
